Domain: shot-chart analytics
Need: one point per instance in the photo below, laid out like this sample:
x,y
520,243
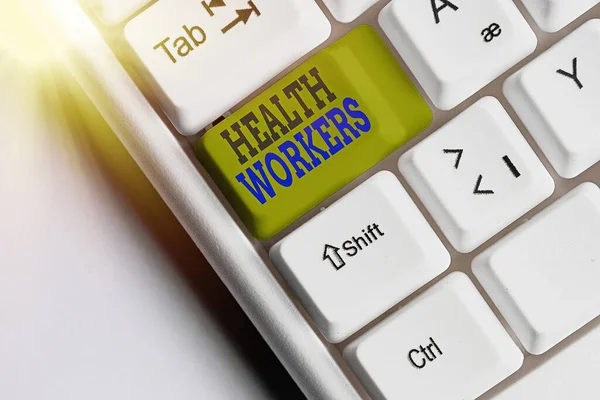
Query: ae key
x,y
456,47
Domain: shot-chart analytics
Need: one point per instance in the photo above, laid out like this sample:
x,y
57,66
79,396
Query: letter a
x,y
436,9
194,29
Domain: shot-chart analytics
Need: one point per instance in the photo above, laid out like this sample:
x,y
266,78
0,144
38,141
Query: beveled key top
x,y
446,344
311,133
557,96
456,47
544,276
476,174
366,252
205,56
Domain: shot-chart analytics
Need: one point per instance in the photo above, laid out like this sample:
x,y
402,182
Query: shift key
x,y
314,131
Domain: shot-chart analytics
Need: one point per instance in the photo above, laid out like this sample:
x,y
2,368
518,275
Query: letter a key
x,y
456,47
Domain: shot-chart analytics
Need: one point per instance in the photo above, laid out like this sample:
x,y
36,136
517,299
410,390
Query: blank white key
x,y
456,47
544,276
476,175
560,109
571,373
553,15
113,12
205,57
446,344
348,10
365,253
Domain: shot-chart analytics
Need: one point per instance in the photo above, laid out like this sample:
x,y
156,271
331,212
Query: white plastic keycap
x,y
572,373
557,96
113,12
456,47
446,344
348,10
476,175
544,276
206,56
553,15
362,255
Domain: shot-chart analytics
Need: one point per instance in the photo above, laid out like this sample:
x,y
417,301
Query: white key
x,y
571,373
348,10
456,47
365,253
476,175
113,12
553,15
560,109
544,277
205,57
446,344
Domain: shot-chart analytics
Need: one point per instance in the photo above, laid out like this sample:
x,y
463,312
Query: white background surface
x,y
102,294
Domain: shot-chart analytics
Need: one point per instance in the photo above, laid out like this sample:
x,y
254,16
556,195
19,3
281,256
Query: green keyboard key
x,y
314,131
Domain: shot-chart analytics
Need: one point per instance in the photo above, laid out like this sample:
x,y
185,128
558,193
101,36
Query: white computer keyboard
x,y
426,187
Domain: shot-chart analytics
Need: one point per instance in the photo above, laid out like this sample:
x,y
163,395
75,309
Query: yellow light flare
x,y
34,50
21,42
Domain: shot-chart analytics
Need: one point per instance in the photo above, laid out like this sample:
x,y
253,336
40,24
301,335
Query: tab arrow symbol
x,y
458,152
243,16
478,184
213,4
216,3
332,254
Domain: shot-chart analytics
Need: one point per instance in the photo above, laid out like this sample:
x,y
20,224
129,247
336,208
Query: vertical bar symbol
x,y
511,166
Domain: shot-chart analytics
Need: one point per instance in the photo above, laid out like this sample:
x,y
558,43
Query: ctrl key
x,y
446,344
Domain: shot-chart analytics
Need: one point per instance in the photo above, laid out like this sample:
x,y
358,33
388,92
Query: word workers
x,y
304,127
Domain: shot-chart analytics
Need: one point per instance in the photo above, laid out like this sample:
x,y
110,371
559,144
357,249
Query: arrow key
x,y
365,253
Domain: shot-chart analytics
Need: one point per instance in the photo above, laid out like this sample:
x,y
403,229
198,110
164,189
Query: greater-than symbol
x,y
458,152
244,15
213,4
478,185
332,254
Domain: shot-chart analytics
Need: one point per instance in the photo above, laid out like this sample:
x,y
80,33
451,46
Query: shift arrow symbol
x,y
478,184
244,15
332,254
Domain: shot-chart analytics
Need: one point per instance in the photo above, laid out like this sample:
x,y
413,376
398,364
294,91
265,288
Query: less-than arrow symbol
x,y
458,152
244,15
332,254
478,184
